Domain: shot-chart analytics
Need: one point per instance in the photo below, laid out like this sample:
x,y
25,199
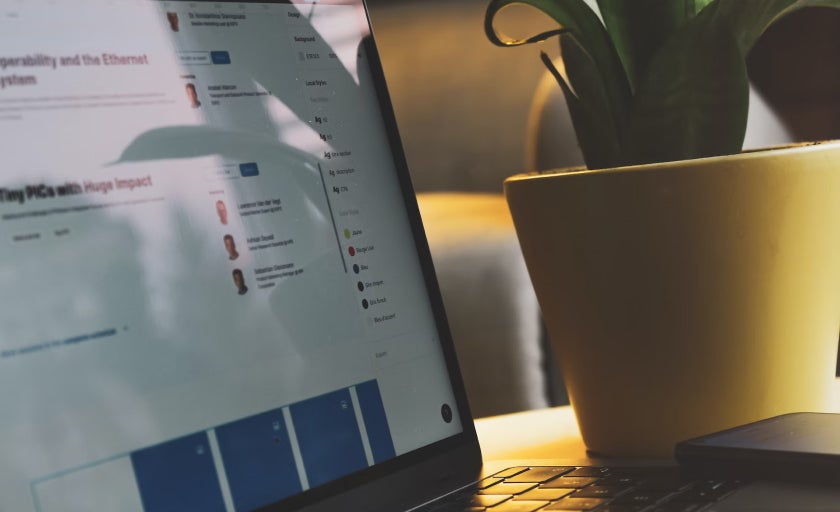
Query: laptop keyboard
x,y
599,489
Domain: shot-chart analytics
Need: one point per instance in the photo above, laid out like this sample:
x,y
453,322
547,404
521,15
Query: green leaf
x,y
748,19
597,133
587,131
578,20
699,5
692,101
639,27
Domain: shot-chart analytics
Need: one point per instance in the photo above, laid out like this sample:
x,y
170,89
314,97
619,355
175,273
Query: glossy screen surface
x,y
211,294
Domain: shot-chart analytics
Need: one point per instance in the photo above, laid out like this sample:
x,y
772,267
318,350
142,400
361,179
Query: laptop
x,y
218,294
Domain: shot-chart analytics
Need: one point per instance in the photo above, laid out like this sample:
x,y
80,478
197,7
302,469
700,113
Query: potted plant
x,y
687,286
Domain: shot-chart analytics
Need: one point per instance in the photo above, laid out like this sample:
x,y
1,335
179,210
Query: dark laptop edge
x,y
430,472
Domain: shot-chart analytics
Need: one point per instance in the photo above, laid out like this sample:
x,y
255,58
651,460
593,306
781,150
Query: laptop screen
x,y
213,297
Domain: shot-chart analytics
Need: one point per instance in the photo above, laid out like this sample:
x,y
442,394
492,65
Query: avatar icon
x,y
192,95
230,247
172,17
221,211
239,281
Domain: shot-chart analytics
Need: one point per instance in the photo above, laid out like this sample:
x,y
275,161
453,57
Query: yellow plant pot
x,y
687,297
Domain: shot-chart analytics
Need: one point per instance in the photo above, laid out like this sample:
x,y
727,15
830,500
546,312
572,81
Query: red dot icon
x,y
351,250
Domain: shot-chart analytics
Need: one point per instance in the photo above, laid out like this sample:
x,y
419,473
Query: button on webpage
x,y
220,57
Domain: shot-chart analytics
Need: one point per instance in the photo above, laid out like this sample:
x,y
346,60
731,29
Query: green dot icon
x,y
347,234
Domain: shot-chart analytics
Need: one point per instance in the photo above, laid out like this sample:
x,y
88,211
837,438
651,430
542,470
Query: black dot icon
x,y
446,413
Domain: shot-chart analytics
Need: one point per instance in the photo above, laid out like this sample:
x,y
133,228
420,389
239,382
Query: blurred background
x,y
462,104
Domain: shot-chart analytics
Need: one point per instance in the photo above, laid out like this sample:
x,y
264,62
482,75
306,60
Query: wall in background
x,y
461,103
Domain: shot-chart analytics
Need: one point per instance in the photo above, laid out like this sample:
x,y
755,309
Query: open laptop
x,y
218,294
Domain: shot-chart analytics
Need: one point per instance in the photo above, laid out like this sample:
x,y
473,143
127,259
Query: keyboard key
x,y
544,494
646,471
693,496
679,507
700,495
618,507
506,488
568,482
488,482
576,504
672,482
589,471
668,478
539,474
640,498
545,488
520,506
720,487
619,480
509,472
601,491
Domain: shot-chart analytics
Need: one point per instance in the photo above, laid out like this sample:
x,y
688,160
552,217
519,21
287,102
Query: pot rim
x,y
748,154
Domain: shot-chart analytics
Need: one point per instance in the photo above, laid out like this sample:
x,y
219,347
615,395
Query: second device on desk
x,y
798,446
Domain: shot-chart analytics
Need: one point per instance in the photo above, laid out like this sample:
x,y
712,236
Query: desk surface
x,y
542,434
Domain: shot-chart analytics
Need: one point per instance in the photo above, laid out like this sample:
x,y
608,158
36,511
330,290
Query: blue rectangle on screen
x,y
178,475
258,460
220,57
249,169
328,436
376,424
